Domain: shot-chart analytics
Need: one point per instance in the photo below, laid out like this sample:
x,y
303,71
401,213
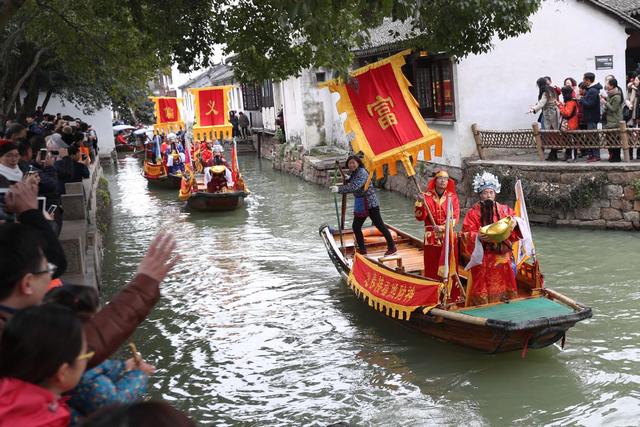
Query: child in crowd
x,y
43,353
113,381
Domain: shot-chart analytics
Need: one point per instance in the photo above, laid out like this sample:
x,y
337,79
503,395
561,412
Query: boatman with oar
x,y
432,209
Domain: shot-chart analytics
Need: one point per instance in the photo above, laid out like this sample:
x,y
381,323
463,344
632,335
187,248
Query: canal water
x,y
256,328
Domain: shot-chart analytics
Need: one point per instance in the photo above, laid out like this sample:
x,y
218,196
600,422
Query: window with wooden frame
x,y
432,80
267,93
251,96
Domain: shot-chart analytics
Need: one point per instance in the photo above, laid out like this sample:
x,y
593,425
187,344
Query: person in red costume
x,y
218,179
439,190
491,264
120,139
206,155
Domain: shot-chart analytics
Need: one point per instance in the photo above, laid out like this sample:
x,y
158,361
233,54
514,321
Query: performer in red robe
x,y
439,190
206,155
493,279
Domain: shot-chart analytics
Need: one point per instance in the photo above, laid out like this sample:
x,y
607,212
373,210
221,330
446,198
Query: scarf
x,y
14,175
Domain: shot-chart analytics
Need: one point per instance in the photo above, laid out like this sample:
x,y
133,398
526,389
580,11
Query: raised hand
x,y
160,257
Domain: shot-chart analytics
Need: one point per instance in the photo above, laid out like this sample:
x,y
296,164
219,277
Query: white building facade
x,y
494,89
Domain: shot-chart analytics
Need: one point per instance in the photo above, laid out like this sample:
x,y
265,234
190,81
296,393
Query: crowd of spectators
x,y
588,105
48,151
57,343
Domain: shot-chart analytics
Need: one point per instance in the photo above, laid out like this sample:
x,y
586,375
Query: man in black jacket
x,y
591,109
71,168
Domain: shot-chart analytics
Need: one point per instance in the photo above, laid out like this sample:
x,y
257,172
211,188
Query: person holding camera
x,y
72,168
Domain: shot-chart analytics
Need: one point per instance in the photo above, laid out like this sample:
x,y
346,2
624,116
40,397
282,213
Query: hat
x,y
218,170
6,146
484,181
440,173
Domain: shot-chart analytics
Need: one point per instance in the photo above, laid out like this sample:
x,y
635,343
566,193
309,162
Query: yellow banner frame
x,y
407,153
201,133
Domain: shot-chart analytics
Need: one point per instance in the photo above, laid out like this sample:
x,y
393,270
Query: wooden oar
x,y
343,210
335,202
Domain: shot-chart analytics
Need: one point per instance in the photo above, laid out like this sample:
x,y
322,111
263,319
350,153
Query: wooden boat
x,y
216,202
125,148
537,318
169,182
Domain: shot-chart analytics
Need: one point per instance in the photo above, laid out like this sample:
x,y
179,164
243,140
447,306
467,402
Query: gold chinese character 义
x,y
168,112
382,107
212,110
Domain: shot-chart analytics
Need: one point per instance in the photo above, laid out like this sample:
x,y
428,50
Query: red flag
x,y
235,173
212,111
168,110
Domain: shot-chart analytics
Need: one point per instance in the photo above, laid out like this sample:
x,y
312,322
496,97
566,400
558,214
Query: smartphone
x,y
42,204
55,153
42,155
52,209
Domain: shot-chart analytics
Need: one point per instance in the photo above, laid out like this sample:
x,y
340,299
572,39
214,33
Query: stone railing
x,y
539,139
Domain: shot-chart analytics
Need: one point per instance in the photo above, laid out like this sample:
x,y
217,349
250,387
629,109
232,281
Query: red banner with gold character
x,y
395,293
168,109
167,112
384,116
211,102
212,113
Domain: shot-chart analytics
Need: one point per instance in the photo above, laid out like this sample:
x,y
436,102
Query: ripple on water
x,y
254,326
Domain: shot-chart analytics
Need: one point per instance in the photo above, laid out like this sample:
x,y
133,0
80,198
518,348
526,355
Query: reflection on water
x,y
255,327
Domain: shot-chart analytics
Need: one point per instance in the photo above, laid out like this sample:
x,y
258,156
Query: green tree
x,y
100,52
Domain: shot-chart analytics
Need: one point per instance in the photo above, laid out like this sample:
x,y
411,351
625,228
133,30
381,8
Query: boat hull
x,y
170,182
216,202
490,336
125,148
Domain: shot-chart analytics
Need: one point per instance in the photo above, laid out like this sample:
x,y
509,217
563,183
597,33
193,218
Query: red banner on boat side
x,y
168,111
212,109
396,294
381,110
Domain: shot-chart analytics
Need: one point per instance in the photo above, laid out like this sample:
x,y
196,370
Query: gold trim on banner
x,y
397,311
407,153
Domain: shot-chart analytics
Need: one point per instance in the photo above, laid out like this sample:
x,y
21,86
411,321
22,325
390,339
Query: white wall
x,y
101,120
496,89
310,113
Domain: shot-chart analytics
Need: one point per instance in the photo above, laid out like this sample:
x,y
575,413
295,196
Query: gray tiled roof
x,y
625,6
217,75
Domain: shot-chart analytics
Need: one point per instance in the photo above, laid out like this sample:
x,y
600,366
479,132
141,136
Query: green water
x,y
255,327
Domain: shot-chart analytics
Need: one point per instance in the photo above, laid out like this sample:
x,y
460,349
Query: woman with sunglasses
x,y
43,353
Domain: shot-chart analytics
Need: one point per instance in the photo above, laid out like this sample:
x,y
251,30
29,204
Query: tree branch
x,y
20,82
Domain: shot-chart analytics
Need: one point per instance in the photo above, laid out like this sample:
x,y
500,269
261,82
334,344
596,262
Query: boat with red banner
x,y
220,188
390,274
394,286
155,172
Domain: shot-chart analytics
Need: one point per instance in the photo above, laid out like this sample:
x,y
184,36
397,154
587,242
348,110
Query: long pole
x,y
429,214
343,210
335,202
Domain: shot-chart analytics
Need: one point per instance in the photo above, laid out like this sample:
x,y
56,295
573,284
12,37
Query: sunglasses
x,y
86,356
51,268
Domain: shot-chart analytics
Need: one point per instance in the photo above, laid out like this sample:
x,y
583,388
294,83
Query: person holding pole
x,y
432,209
366,204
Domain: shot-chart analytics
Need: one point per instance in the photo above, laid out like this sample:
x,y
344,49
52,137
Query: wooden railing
x,y
539,139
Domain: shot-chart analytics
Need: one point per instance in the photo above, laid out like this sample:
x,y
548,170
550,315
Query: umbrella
x,y
118,128
140,131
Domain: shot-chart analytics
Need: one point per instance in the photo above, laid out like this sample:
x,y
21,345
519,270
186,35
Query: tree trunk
x,y
46,100
8,8
14,98
31,100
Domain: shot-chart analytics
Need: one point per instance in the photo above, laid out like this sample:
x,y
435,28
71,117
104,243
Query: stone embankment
x,y
86,206
586,195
